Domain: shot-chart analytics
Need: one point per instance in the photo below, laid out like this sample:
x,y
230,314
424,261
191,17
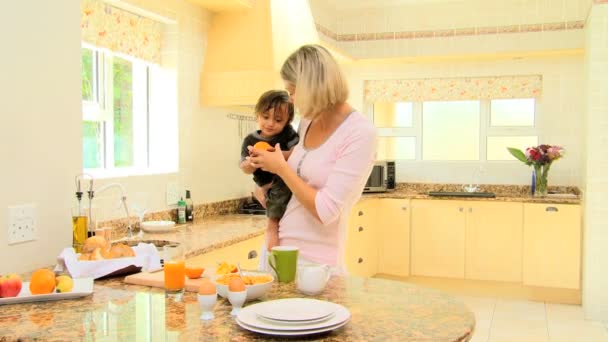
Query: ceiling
x,y
348,16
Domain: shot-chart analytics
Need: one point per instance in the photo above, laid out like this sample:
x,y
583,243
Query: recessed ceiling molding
x,y
467,31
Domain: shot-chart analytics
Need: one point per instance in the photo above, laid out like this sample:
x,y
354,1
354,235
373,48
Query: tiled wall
x,y
595,277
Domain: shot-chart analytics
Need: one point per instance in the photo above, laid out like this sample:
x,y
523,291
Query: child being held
x,y
274,113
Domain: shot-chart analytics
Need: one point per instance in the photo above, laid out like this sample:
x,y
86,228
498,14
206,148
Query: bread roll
x,y
121,251
94,242
84,257
96,254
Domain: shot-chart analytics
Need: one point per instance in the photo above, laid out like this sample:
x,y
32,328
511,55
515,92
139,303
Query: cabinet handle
x,y
551,209
360,213
252,254
404,208
461,209
360,260
360,229
470,210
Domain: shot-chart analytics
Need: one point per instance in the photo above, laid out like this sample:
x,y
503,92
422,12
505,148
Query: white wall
x,y
209,149
595,277
40,123
559,115
41,132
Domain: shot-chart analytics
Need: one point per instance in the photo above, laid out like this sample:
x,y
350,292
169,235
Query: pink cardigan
x,y
338,169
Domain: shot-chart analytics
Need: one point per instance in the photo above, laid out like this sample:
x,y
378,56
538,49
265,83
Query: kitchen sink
x,y
160,244
461,194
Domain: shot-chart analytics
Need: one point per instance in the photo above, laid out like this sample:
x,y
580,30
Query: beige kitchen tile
x,y
482,329
518,330
482,307
577,331
560,312
520,310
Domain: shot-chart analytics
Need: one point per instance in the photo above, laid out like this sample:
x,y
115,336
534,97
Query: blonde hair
x,y
319,82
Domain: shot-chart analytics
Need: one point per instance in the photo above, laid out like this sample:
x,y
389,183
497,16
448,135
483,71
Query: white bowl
x,y
157,226
253,291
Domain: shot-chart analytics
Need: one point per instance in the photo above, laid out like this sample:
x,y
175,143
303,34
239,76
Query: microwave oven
x,y
382,178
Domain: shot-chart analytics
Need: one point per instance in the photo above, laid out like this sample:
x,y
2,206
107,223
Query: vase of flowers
x,y
540,157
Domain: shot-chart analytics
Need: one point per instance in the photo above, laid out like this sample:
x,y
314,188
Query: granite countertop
x,y
504,193
381,310
209,233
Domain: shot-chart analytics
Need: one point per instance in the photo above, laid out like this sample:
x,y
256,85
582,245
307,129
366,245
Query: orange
x,y
262,146
194,272
42,281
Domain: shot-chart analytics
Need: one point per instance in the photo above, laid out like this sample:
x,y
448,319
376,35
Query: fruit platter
x,y
43,286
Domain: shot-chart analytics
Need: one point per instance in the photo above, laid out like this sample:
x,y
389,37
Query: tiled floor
x,y
517,320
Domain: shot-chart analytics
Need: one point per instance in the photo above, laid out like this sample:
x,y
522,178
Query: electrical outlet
x,y
21,223
173,193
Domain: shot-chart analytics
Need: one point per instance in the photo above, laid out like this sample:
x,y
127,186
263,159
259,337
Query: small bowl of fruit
x,y
257,283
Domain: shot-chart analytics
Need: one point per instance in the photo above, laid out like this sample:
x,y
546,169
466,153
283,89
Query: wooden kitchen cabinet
x,y
361,252
494,240
246,252
552,245
438,238
393,218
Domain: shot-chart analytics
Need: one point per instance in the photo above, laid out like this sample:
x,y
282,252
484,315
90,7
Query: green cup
x,y
285,262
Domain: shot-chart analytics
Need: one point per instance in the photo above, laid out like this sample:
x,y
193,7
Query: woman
x,y
328,168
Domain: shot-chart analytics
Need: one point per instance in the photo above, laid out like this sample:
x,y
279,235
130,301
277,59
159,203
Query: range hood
x,y
246,49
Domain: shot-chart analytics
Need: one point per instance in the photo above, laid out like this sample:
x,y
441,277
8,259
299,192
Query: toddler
x,y
274,113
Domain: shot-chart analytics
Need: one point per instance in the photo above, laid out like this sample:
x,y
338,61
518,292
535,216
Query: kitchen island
x,y
382,310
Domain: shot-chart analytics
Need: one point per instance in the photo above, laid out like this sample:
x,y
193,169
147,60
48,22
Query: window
x,y
115,111
454,130
450,130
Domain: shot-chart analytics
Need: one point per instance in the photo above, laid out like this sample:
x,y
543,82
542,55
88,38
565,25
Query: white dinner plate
x,y
158,226
82,287
289,333
295,309
249,317
299,323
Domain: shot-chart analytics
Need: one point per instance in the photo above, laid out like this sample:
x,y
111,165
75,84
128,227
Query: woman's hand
x,y
271,161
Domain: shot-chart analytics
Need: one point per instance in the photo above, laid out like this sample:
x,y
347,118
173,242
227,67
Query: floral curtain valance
x,y
446,89
120,31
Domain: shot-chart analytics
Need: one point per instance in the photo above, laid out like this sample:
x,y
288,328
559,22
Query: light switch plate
x,y
21,223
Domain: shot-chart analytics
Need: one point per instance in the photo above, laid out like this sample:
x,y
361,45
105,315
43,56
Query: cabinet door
x,y
552,245
361,252
394,242
247,253
494,241
438,238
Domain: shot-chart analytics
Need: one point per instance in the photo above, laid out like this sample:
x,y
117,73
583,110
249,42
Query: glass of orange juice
x,y
175,271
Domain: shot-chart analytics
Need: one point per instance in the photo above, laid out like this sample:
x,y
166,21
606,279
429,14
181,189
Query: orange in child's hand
x,y
194,272
42,282
262,146
206,287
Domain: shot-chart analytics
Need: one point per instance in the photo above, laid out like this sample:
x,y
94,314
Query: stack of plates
x,y
293,317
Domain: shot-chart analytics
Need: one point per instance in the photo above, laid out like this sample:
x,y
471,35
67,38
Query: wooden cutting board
x,y
157,279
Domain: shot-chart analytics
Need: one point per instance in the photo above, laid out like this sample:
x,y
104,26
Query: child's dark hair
x,y
274,99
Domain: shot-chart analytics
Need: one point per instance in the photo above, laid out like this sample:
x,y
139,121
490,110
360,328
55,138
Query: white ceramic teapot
x,y
312,278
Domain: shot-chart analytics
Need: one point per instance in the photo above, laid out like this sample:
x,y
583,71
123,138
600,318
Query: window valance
x,y
120,31
449,89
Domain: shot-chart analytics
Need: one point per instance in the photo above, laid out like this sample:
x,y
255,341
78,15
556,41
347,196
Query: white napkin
x,y
146,257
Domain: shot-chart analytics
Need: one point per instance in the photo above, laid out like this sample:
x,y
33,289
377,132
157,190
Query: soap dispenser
x,y
181,211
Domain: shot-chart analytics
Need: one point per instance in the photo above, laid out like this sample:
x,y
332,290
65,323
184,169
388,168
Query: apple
x,y
10,285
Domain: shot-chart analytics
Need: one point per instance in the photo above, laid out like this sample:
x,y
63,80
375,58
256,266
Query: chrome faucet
x,y
123,199
473,186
